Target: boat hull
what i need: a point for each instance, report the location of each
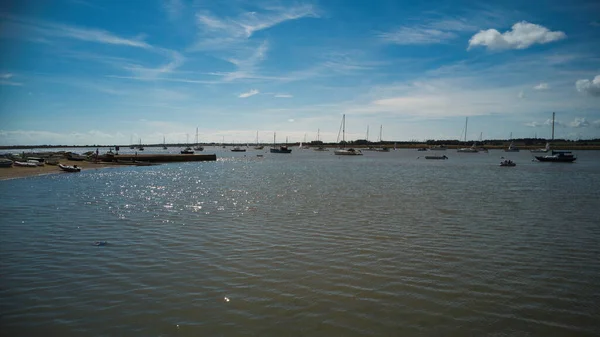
(555, 159)
(280, 150)
(349, 152)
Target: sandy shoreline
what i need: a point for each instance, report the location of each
(23, 172)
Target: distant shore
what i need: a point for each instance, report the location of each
(556, 145)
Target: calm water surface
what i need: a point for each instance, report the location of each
(307, 244)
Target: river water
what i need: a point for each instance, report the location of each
(306, 244)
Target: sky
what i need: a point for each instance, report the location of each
(114, 72)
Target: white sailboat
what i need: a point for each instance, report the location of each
(512, 147)
(471, 149)
(344, 151)
(547, 148)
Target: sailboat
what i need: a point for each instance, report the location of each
(281, 149)
(258, 147)
(471, 149)
(187, 150)
(320, 147)
(547, 148)
(382, 148)
(512, 147)
(198, 147)
(344, 151)
(164, 144)
(140, 148)
(301, 146)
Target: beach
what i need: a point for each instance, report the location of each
(22, 172)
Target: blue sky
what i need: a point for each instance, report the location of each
(106, 72)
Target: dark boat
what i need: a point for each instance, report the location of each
(187, 150)
(281, 149)
(507, 163)
(558, 157)
(443, 157)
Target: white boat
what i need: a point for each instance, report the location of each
(512, 147)
(24, 164)
(344, 151)
(544, 150)
(473, 148)
(68, 168)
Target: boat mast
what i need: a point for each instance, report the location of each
(553, 125)
(380, 132)
(344, 129)
(367, 133)
(466, 124)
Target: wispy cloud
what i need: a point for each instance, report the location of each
(221, 32)
(522, 35)
(36, 29)
(589, 87)
(5, 80)
(283, 96)
(542, 86)
(416, 35)
(58, 30)
(431, 32)
(249, 93)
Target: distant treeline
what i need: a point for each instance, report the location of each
(358, 142)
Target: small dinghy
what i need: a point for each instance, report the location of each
(25, 164)
(100, 243)
(443, 157)
(508, 163)
(68, 168)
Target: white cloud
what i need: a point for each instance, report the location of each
(249, 93)
(283, 96)
(579, 123)
(58, 30)
(220, 33)
(521, 94)
(416, 35)
(5, 80)
(542, 86)
(589, 87)
(522, 35)
(428, 33)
